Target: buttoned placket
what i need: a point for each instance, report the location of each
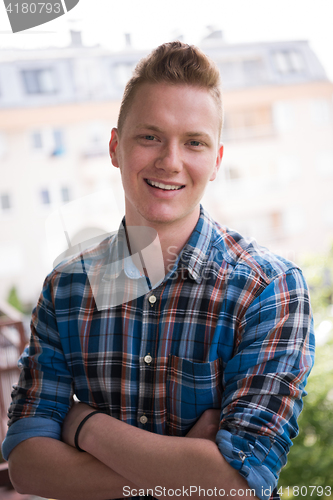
(149, 339)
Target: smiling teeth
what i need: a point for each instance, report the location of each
(168, 187)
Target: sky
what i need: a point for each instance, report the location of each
(151, 22)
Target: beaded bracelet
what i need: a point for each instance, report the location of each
(78, 430)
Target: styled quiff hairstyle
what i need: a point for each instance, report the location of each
(174, 63)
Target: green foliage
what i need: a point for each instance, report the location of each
(318, 271)
(310, 461)
(13, 299)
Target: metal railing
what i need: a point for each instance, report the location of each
(12, 342)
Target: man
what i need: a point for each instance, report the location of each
(198, 380)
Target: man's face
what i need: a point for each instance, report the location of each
(167, 152)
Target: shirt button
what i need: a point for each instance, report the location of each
(152, 299)
(143, 419)
(148, 359)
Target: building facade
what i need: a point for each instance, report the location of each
(58, 188)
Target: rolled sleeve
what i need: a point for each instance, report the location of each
(254, 458)
(265, 380)
(43, 394)
(45, 385)
(29, 427)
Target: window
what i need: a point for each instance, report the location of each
(96, 141)
(58, 140)
(37, 142)
(327, 213)
(39, 81)
(294, 220)
(5, 202)
(320, 110)
(246, 121)
(231, 72)
(45, 197)
(324, 163)
(253, 70)
(2, 145)
(276, 220)
(283, 116)
(231, 172)
(289, 168)
(48, 141)
(11, 259)
(65, 194)
(123, 72)
(289, 61)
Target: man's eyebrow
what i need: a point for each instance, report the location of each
(187, 134)
(148, 127)
(198, 134)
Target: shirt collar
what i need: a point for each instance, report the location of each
(193, 257)
(196, 251)
(119, 258)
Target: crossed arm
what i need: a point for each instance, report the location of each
(267, 375)
(120, 455)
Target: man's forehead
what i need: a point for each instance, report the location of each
(155, 97)
(151, 100)
(146, 89)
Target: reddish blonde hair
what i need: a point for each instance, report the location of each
(174, 63)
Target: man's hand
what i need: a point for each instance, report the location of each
(207, 426)
(73, 419)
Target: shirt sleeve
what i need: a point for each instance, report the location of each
(43, 394)
(264, 382)
(29, 427)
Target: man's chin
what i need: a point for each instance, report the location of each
(162, 218)
(169, 218)
(160, 215)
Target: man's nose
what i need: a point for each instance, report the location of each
(170, 158)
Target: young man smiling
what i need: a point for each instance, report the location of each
(193, 385)
(167, 150)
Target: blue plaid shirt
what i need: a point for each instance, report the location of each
(229, 327)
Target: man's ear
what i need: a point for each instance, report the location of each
(218, 162)
(113, 145)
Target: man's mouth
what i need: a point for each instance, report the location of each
(165, 187)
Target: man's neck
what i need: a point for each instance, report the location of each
(171, 239)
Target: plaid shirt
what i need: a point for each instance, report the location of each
(229, 327)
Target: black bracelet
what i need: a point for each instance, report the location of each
(78, 430)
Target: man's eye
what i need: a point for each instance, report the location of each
(195, 143)
(149, 137)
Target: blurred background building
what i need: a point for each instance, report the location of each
(58, 187)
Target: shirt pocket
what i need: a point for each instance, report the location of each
(192, 388)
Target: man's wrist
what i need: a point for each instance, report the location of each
(86, 438)
(80, 426)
